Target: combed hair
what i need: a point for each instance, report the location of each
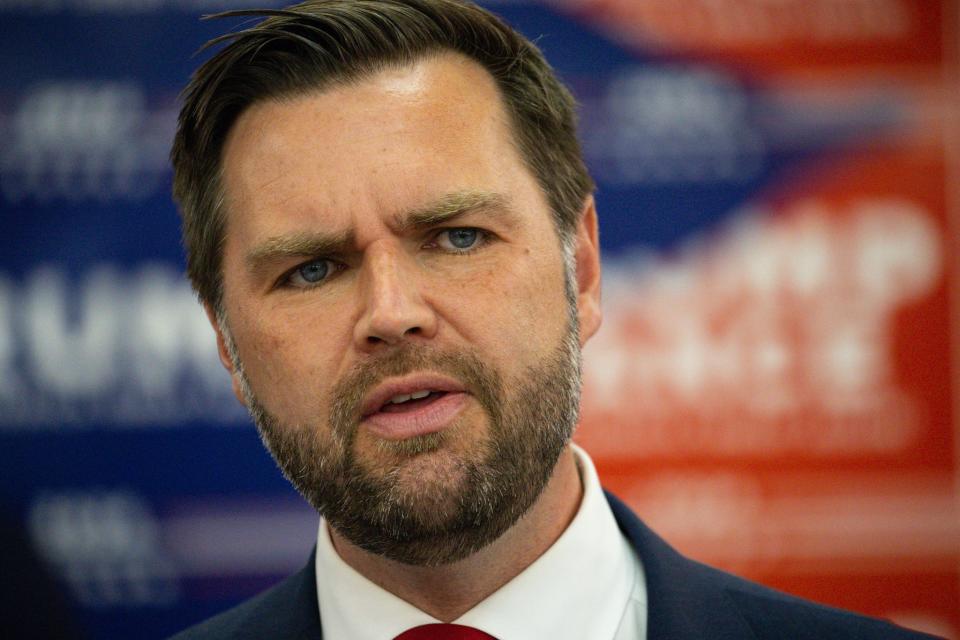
(322, 43)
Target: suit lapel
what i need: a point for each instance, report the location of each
(293, 608)
(684, 601)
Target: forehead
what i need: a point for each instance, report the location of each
(387, 142)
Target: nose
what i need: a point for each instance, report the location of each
(394, 308)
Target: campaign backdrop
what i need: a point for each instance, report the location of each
(774, 388)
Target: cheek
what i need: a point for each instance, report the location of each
(524, 312)
(288, 361)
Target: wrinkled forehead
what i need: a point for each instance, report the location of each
(393, 142)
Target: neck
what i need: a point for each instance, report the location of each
(447, 592)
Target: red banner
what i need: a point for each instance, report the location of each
(779, 397)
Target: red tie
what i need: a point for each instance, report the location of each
(444, 632)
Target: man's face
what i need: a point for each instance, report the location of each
(400, 320)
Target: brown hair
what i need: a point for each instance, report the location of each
(318, 43)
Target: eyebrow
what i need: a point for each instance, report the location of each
(296, 245)
(447, 208)
(453, 206)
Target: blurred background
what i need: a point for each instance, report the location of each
(774, 389)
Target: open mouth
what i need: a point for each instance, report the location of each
(413, 405)
(411, 401)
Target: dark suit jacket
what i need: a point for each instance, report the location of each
(685, 600)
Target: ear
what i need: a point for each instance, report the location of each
(587, 260)
(224, 354)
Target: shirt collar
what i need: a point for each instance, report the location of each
(579, 588)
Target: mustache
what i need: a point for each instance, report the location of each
(346, 397)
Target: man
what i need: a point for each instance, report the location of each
(391, 228)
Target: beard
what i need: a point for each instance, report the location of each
(474, 487)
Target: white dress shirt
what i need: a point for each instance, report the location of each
(589, 584)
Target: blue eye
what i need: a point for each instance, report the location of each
(311, 273)
(459, 239)
(315, 271)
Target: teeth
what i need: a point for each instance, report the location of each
(404, 397)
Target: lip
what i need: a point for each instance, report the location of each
(432, 417)
(404, 385)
